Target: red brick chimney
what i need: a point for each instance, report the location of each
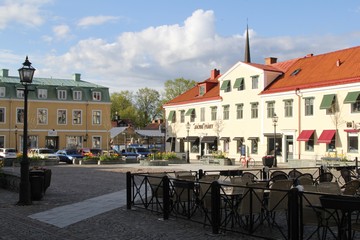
(270, 60)
(214, 74)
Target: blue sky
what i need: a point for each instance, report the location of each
(127, 45)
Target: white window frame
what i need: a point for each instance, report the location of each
(96, 117)
(61, 117)
(42, 116)
(42, 93)
(93, 142)
(2, 115)
(96, 96)
(2, 91)
(20, 93)
(77, 95)
(62, 94)
(77, 117)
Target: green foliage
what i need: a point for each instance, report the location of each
(162, 156)
(176, 87)
(219, 154)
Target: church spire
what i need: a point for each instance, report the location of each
(247, 46)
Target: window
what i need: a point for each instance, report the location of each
(96, 117)
(254, 146)
(172, 116)
(77, 117)
(32, 141)
(240, 147)
(201, 90)
(254, 110)
(77, 95)
(42, 116)
(239, 111)
(309, 106)
(330, 147)
(355, 107)
(2, 141)
(96, 142)
(213, 113)
(270, 109)
(61, 94)
(74, 141)
(96, 96)
(353, 142)
(182, 116)
(309, 145)
(239, 84)
(192, 116)
(20, 93)
(255, 82)
(2, 115)
(226, 112)
(202, 114)
(19, 115)
(288, 108)
(226, 86)
(2, 91)
(42, 93)
(61, 116)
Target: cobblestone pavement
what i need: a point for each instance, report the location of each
(73, 183)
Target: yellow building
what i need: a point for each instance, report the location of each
(62, 113)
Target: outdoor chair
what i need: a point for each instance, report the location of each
(313, 215)
(210, 178)
(293, 174)
(250, 209)
(351, 188)
(155, 181)
(184, 192)
(329, 188)
(240, 181)
(249, 175)
(304, 179)
(347, 175)
(324, 177)
(278, 175)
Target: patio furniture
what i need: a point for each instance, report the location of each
(351, 187)
(304, 179)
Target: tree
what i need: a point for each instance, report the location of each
(147, 103)
(122, 103)
(174, 88)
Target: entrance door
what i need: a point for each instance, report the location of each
(52, 142)
(289, 148)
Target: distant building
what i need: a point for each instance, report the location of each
(62, 113)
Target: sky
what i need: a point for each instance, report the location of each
(128, 45)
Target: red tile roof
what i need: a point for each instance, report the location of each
(334, 68)
(192, 95)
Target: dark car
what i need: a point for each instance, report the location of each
(68, 155)
(144, 152)
(128, 155)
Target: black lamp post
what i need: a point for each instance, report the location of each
(275, 120)
(124, 133)
(26, 74)
(188, 145)
(16, 132)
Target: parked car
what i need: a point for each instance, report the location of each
(43, 153)
(129, 155)
(90, 151)
(68, 155)
(7, 153)
(143, 152)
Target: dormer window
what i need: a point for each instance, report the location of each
(96, 96)
(226, 86)
(239, 84)
(202, 90)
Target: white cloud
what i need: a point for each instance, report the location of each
(150, 57)
(21, 12)
(61, 31)
(95, 20)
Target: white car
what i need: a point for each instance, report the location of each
(7, 153)
(43, 153)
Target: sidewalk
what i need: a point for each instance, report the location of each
(88, 202)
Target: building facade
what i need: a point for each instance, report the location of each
(315, 99)
(62, 113)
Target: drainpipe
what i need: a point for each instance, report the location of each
(297, 92)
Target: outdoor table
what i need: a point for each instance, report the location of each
(346, 205)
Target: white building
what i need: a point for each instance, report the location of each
(316, 100)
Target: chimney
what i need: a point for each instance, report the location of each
(338, 63)
(310, 55)
(77, 77)
(270, 60)
(4, 72)
(214, 74)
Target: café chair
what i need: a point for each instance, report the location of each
(351, 188)
(293, 174)
(305, 179)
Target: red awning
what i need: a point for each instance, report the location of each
(326, 136)
(351, 130)
(305, 135)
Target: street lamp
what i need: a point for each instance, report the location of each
(275, 120)
(16, 132)
(26, 74)
(188, 145)
(124, 133)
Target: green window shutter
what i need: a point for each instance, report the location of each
(351, 97)
(225, 85)
(171, 115)
(327, 101)
(238, 82)
(190, 111)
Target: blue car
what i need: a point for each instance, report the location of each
(143, 152)
(68, 155)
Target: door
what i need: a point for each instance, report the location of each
(289, 148)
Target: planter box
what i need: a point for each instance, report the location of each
(89, 161)
(154, 163)
(118, 161)
(177, 161)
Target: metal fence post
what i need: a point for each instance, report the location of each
(201, 173)
(166, 194)
(128, 190)
(293, 221)
(215, 207)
